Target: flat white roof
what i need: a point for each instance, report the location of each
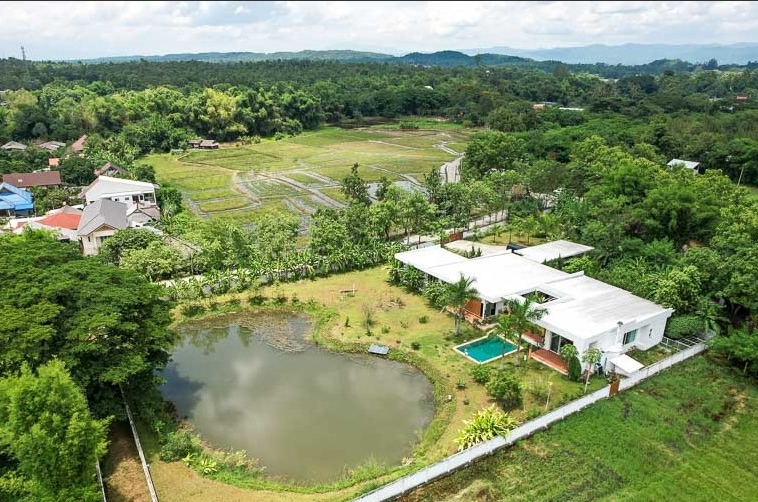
(553, 250)
(499, 276)
(582, 307)
(427, 258)
(587, 307)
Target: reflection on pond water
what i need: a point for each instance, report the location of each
(253, 383)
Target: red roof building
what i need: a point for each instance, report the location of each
(62, 220)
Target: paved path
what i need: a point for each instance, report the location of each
(450, 171)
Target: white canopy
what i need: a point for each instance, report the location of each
(626, 365)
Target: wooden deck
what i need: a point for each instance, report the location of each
(534, 338)
(550, 359)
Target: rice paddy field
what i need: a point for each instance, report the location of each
(297, 175)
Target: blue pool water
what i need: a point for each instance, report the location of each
(486, 349)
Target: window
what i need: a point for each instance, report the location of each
(630, 336)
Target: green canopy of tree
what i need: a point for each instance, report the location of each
(48, 431)
(107, 324)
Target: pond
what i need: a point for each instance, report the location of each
(253, 383)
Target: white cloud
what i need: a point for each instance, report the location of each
(90, 29)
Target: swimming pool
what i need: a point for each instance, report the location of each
(486, 349)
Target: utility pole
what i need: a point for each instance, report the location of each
(23, 53)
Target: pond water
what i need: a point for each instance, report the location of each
(251, 382)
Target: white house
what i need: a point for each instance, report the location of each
(129, 192)
(580, 310)
(687, 164)
(100, 220)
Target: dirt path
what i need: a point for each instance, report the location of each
(324, 199)
(123, 475)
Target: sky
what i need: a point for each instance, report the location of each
(71, 30)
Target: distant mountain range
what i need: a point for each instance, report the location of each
(629, 54)
(233, 57)
(633, 54)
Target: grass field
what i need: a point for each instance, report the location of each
(689, 434)
(220, 180)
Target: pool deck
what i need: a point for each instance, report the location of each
(470, 342)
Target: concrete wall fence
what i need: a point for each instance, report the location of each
(466, 457)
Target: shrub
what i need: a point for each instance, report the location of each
(385, 330)
(403, 324)
(257, 300)
(506, 388)
(192, 309)
(460, 385)
(540, 389)
(423, 319)
(435, 293)
(415, 345)
(177, 445)
(683, 326)
(481, 373)
(533, 413)
(295, 300)
(408, 126)
(485, 425)
(466, 401)
(574, 369)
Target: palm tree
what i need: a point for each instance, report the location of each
(503, 327)
(524, 314)
(458, 293)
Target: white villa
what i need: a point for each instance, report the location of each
(580, 310)
(129, 192)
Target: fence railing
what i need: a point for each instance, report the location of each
(100, 483)
(145, 467)
(466, 457)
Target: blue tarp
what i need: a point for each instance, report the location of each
(15, 199)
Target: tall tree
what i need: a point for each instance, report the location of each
(354, 188)
(109, 325)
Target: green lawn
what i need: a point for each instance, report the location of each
(207, 175)
(690, 433)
